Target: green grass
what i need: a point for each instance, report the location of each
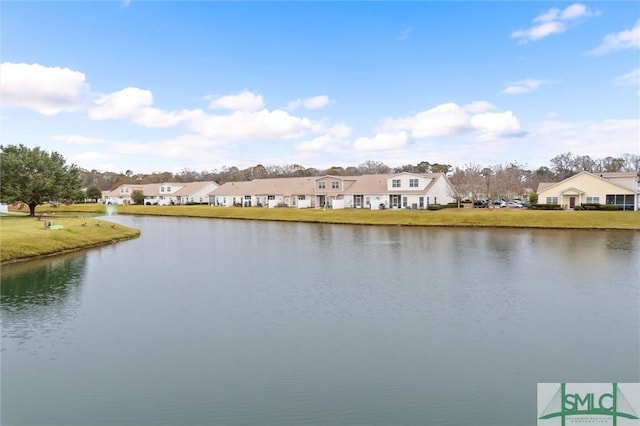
(514, 218)
(23, 237)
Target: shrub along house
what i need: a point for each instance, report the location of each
(620, 189)
(400, 191)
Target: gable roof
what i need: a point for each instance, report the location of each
(148, 189)
(272, 186)
(363, 184)
(545, 186)
(193, 187)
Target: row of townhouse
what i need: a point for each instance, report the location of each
(163, 194)
(619, 188)
(402, 190)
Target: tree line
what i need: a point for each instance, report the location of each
(500, 180)
(35, 176)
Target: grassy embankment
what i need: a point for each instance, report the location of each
(468, 217)
(23, 237)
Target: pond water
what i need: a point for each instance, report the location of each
(223, 322)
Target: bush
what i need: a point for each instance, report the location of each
(602, 207)
(592, 206)
(443, 206)
(546, 207)
(578, 208)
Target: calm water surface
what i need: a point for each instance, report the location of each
(221, 322)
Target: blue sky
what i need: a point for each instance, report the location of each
(162, 86)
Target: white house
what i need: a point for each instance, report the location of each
(163, 194)
(401, 191)
(195, 192)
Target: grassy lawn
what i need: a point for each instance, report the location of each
(447, 217)
(23, 237)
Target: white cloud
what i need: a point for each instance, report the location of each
(332, 142)
(540, 31)
(586, 137)
(553, 21)
(451, 120)
(382, 141)
(492, 125)
(478, 107)
(323, 143)
(153, 117)
(48, 90)
(123, 104)
(521, 87)
(243, 101)
(340, 131)
(443, 120)
(258, 125)
(315, 102)
(631, 78)
(628, 39)
(576, 10)
(134, 104)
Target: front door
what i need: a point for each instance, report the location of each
(572, 202)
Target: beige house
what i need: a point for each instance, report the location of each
(402, 190)
(621, 189)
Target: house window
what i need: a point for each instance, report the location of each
(168, 189)
(421, 202)
(395, 183)
(300, 197)
(552, 200)
(271, 197)
(321, 184)
(162, 189)
(413, 183)
(622, 200)
(593, 200)
(367, 200)
(404, 202)
(335, 184)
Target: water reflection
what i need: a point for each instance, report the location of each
(239, 322)
(38, 297)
